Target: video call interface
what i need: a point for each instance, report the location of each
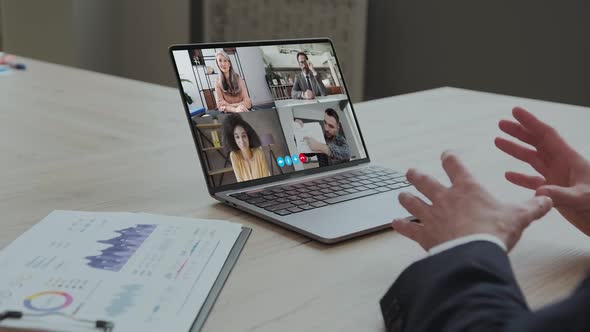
(261, 111)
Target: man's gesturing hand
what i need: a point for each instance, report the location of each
(564, 174)
(463, 209)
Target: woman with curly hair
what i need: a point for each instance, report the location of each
(232, 96)
(245, 151)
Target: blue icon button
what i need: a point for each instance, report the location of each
(288, 160)
(280, 161)
(295, 159)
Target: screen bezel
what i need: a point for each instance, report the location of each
(274, 178)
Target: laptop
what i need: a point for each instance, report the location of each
(277, 137)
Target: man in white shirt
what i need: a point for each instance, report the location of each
(467, 283)
(308, 84)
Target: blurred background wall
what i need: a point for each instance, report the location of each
(127, 38)
(537, 49)
(529, 48)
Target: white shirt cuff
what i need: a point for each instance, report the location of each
(466, 239)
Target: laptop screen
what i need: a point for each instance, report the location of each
(268, 110)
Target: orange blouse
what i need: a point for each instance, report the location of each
(225, 99)
(245, 170)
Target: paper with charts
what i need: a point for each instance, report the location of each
(308, 129)
(143, 272)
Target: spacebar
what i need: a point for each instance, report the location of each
(350, 196)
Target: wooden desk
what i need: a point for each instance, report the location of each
(73, 139)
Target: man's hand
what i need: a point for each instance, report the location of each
(311, 69)
(308, 94)
(565, 174)
(463, 209)
(299, 123)
(316, 146)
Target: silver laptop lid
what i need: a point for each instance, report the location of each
(266, 111)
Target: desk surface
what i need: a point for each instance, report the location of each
(78, 140)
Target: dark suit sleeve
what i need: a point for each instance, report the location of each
(472, 288)
(296, 90)
(321, 85)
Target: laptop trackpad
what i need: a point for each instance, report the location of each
(352, 217)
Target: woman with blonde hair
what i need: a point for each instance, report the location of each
(232, 96)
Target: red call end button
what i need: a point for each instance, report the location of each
(302, 158)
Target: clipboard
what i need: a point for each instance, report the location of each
(231, 260)
(88, 324)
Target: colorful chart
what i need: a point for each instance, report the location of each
(121, 248)
(48, 300)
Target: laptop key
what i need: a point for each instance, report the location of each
(299, 202)
(256, 200)
(267, 204)
(382, 189)
(399, 186)
(279, 207)
(306, 207)
(294, 210)
(241, 197)
(282, 212)
(319, 204)
(351, 196)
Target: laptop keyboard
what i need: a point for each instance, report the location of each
(294, 198)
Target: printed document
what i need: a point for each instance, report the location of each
(143, 272)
